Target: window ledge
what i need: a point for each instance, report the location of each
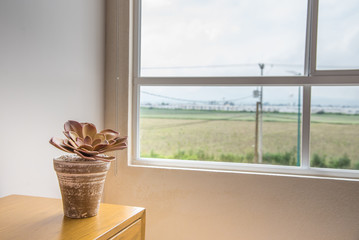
(243, 168)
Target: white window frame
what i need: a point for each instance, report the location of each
(312, 77)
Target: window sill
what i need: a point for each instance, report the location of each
(243, 168)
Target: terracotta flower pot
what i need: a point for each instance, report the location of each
(81, 183)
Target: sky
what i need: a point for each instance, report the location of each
(231, 37)
(338, 34)
(177, 33)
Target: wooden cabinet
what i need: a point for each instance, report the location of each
(24, 217)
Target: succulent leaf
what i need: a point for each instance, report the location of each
(57, 142)
(84, 156)
(95, 142)
(87, 152)
(84, 140)
(88, 140)
(73, 126)
(86, 147)
(110, 134)
(94, 158)
(113, 149)
(80, 141)
(88, 129)
(118, 144)
(73, 135)
(66, 142)
(100, 146)
(100, 136)
(73, 143)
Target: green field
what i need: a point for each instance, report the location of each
(230, 136)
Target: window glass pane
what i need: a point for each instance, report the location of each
(222, 124)
(338, 35)
(223, 37)
(334, 127)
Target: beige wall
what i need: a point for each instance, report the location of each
(51, 70)
(195, 205)
(186, 205)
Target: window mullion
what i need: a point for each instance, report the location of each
(306, 126)
(310, 66)
(311, 38)
(136, 41)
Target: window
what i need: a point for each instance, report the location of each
(250, 85)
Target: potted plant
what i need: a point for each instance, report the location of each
(82, 173)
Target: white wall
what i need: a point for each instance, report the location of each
(51, 70)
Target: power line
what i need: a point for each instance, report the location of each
(173, 98)
(194, 101)
(201, 66)
(238, 99)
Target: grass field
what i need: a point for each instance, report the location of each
(230, 136)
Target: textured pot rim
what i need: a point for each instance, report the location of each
(73, 164)
(75, 159)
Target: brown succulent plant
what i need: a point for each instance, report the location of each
(84, 140)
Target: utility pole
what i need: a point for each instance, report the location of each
(299, 119)
(258, 129)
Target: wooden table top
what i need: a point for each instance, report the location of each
(25, 217)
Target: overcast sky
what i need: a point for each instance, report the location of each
(230, 38)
